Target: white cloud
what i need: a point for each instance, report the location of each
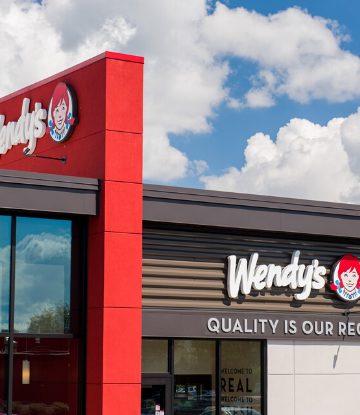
(298, 55)
(114, 32)
(186, 48)
(235, 103)
(260, 97)
(198, 167)
(350, 130)
(162, 162)
(306, 161)
(44, 247)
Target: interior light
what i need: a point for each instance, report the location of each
(25, 372)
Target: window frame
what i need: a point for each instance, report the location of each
(80, 249)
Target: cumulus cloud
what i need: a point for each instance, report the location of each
(261, 97)
(306, 161)
(187, 49)
(298, 55)
(160, 156)
(235, 103)
(199, 166)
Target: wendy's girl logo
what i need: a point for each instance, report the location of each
(62, 113)
(345, 279)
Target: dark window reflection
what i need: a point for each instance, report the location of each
(195, 376)
(42, 275)
(45, 376)
(5, 251)
(152, 399)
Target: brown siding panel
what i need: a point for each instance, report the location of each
(187, 268)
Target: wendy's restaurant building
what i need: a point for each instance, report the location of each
(124, 298)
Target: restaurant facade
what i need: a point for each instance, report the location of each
(124, 298)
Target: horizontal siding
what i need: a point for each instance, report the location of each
(187, 269)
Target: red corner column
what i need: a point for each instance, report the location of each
(115, 252)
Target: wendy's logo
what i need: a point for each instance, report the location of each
(62, 113)
(345, 278)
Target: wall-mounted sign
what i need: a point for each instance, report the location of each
(345, 279)
(297, 326)
(62, 120)
(250, 325)
(62, 113)
(28, 128)
(246, 276)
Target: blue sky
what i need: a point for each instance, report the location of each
(247, 96)
(234, 127)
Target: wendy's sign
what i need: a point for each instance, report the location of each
(62, 113)
(345, 279)
(62, 119)
(28, 128)
(248, 275)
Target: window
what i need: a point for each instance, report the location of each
(154, 356)
(42, 275)
(241, 377)
(41, 315)
(194, 375)
(207, 377)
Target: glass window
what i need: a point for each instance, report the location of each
(45, 376)
(196, 370)
(241, 377)
(152, 399)
(5, 252)
(48, 254)
(154, 356)
(42, 275)
(195, 376)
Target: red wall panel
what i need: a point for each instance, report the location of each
(95, 358)
(123, 155)
(94, 399)
(124, 98)
(120, 208)
(96, 271)
(125, 286)
(122, 399)
(121, 364)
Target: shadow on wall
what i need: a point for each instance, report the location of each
(336, 357)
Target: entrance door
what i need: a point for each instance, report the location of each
(156, 396)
